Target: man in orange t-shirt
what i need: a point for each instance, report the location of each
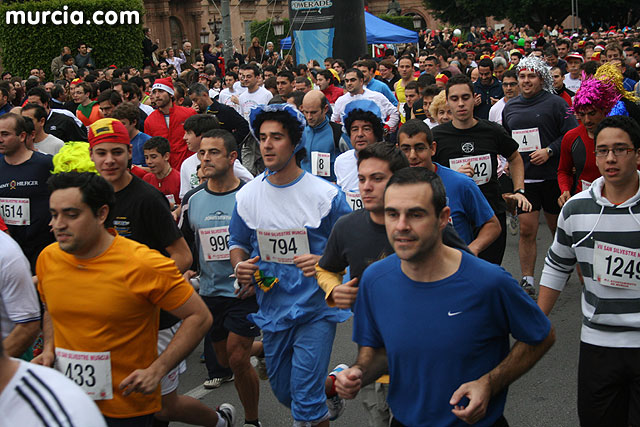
(103, 294)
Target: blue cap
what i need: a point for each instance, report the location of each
(288, 108)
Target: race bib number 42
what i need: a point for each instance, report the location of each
(616, 266)
(320, 163)
(282, 245)
(215, 243)
(91, 371)
(481, 167)
(527, 139)
(15, 211)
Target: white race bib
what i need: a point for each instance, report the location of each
(354, 200)
(320, 163)
(616, 266)
(282, 245)
(215, 243)
(15, 211)
(527, 139)
(481, 167)
(91, 371)
(585, 184)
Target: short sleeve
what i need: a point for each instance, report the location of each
(476, 206)
(333, 258)
(365, 330)
(239, 233)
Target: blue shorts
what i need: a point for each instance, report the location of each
(297, 363)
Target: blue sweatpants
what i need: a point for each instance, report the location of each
(297, 363)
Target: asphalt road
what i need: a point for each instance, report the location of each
(545, 396)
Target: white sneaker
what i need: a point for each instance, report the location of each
(261, 368)
(216, 382)
(336, 404)
(227, 412)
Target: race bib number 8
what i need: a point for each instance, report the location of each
(320, 163)
(215, 243)
(616, 266)
(481, 167)
(354, 200)
(90, 371)
(282, 245)
(527, 139)
(15, 211)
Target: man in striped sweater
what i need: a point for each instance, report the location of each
(599, 229)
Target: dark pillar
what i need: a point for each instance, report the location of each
(350, 39)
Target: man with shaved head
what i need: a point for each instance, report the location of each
(322, 139)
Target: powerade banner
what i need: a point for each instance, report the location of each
(312, 29)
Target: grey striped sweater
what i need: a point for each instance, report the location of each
(611, 315)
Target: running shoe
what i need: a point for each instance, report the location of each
(227, 412)
(336, 404)
(529, 289)
(261, 368)
(216, 382)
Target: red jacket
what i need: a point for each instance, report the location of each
(333, 93)
(155, 125)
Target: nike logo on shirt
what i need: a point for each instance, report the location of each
(454, 314)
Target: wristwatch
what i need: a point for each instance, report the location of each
(549, 152)
(519, 191)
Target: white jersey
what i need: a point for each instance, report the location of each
(225, 99)
(50, 145)
(572, 84)
(189, 174)
(18, 299)
(346, 169)
(495, 113)
(390, 114)
(248, 100)
(40, 396)
(147, 109)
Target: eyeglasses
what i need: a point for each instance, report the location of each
(617, 151)
(514, 84)
(419, 149)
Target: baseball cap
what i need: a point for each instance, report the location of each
(108, 130)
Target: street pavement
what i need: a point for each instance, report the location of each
(545, 396)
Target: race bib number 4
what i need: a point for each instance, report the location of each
(282, 245)
(481, 167)
(354, 200)
(91, 371)
(215, 243)
(320, 163)
(527, 139)
(15, 211)
(616, 266)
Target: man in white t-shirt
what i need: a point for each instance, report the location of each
(43, 142)
(19, 305)
(354, 83)
(194, 128)
(255, 94)
(511, 90)
(227, 94)
(572, 79)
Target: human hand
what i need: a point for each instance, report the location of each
(349, 383)
(539, 157)
(143, 381)
(344, 295)
(479, 393)
(307, 263)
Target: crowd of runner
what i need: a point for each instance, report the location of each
(256, 204)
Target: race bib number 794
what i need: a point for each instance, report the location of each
(282, 245)
(89, 370)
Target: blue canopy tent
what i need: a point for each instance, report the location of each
(378, 31)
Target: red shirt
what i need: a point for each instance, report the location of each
(333, 93)
(3, 226)
(169, 185)
(576, 151)
(155, 125)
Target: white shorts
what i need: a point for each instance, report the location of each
(170, 381)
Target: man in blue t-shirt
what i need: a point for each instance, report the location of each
(207, 212)
(442, 330)
(469, 209)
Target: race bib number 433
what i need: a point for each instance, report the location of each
(481, 167)
(282, 245)
(527, 139)
(15, 211)
(90, 370)
(616, 266)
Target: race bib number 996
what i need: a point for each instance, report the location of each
(91, 371)
(215, 243)
(282, 245)
(616, 266)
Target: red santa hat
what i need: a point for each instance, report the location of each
(164, 84)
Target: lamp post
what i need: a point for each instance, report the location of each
(278, 26)
(213, 26)
(204, 36)
(417, 22)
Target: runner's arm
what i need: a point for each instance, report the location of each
(47, 357)
(487, 234)
(20, 338)
(179, 252)
(328, 280)
(372, 362)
